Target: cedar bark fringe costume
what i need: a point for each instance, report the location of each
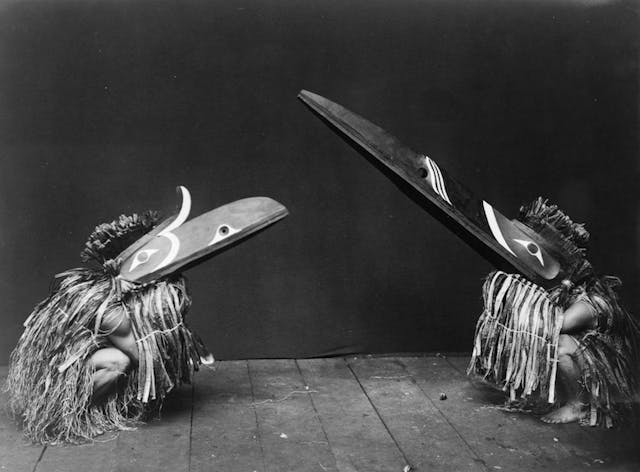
(50, 381)
(517, 335)
(516, 341)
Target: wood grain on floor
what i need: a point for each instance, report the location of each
(349, 414)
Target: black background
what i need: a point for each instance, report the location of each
(106, 106)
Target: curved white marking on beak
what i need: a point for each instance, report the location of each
(180, 219)
(431, 175)
(443, 188)
(495, 229)
(436, 180)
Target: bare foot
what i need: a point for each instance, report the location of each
(207, 360)
(572, 411)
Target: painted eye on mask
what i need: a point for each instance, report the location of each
(532, 248)
(223, 232)
(142, 257)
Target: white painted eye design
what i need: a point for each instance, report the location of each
(142, 257)
(223, 232)
(532, 248)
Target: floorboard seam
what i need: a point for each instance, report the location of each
(454, 367)
(193, 388)
(473, 451)
(468, 380)
(375, 408)
(315, 410)
(255, 413)
(44, 448)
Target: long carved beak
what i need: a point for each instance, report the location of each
(472, 218)
(177, 243)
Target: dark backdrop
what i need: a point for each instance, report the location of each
(106, 106)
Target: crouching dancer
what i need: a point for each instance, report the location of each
(110, 342)
(555, 319)
(575, 335)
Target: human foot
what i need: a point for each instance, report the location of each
(572, 411)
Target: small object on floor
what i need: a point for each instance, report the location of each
(407, 468)
(283, 436)
(443, 396)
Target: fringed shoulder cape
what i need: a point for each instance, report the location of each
(516, 344)
(50, 378)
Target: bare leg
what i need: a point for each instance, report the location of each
(109, 364)
(117, 327)
(577, 318)
(569, 371)
(112, 363)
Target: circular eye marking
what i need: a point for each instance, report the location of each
(532, 248)
(142, 257)
(223, 232)
(423, 173)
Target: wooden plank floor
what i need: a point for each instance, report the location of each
(339, 414)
